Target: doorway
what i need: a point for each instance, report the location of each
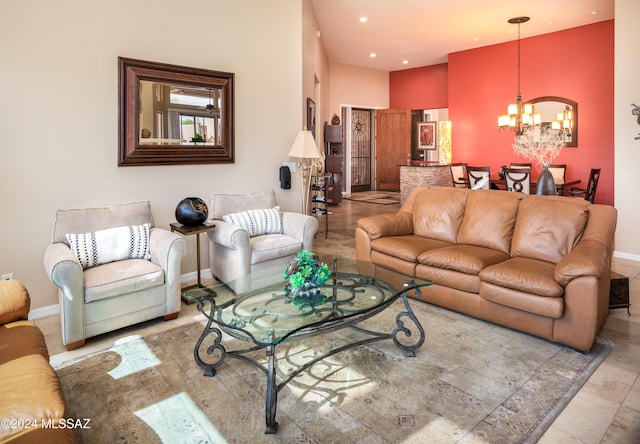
(393, 144)
(362, 131)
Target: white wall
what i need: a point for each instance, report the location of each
(626, 127)
(59, 118)
(315, 70)
(357, 87)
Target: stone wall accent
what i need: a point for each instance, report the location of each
(423, 176)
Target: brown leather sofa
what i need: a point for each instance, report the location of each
(31, 399)
(537, 264)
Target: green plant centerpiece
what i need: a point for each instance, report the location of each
(305, 274)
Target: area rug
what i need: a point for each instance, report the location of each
(382, 198)
(471, 382)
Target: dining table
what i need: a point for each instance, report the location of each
(499, 183)
(561, 187)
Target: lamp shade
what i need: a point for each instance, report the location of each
(304, 147)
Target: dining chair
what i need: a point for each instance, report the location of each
(520, 165)
(559, 174)
(479, 174)
(558, 171)
(518, 179)
(458, 173)
(588, 193)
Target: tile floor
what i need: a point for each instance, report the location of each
(605, 410)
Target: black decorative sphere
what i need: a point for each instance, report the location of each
(191, 211)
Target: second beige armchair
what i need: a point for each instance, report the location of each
(269, 237)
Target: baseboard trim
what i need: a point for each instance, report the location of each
(43, 312)
(622, 255)
(193, 276)
(50, 310)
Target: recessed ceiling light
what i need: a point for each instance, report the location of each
(405, 62)
(372, 55)
(594, 12)
(363, 19)
(475, 39)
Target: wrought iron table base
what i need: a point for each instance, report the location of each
(271, 397)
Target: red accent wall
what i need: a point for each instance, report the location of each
(419, 88)
(575, 63)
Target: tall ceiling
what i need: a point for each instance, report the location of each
(423, 32)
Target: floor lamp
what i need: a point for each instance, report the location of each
(305, 149)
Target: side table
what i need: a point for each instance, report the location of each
(619, 294)
(187, 230)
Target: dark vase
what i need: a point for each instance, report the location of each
(191, 211)
(546, 185)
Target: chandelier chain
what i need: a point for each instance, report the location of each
(519, 60)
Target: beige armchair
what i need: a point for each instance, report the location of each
(234, 253)
(112, 269)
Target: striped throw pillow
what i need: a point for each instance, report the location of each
(112, 244)
(257, 222)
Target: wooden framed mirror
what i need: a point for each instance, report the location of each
(549, 107)
(170, 114)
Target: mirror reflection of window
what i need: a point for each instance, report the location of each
(182, 96)
(198, 129)
(159, 133)
(192, 114)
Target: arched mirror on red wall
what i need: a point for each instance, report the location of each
(559, 113)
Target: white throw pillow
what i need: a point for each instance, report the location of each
(113, 244)
(257, 222)
(481, 183)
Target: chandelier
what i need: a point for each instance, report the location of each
(564, 122)
(519, 115)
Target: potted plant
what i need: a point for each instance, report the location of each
(541, 145)
(305, 273)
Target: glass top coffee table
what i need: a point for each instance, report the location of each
(265, 317)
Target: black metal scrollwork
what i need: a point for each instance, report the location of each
(409, 350)
(345, 292)
(209, 367)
